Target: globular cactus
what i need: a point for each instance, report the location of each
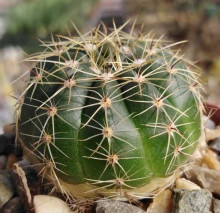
(110, 115)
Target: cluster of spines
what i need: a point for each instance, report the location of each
(107, 70)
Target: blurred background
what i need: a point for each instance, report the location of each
(24, 22)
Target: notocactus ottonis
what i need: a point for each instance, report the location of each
(109, 114)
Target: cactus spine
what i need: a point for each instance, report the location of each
(110, 115)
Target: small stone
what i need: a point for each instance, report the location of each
(11, 160)
(14, 205)
(215, 145)
(50, 204)
(208, 123)
(116, 207)
(3, 160)
(9, 129)
(6, 188)
(212, 134)
(206, 178)
(182, 183)
(210, 159)
(6, 143)
(162, 203)
(195, 201)
(216, 206)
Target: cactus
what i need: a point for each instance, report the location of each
(110, 114)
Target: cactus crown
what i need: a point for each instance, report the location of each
(110, 114)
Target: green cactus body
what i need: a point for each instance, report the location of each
(108, 114)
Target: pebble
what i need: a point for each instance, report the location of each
(111, 206)
(34, 180)
(11, 160)
(216, 206)
(215, 145)
(210, 159)
(212, 134)
(161, 203)
(9, 129)
(208, 123)
(50, 204)
(206, 178)
(195, 201)
(3, 160)
(6, 143)
(15, 205)
(182, 183)
(6, 188)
